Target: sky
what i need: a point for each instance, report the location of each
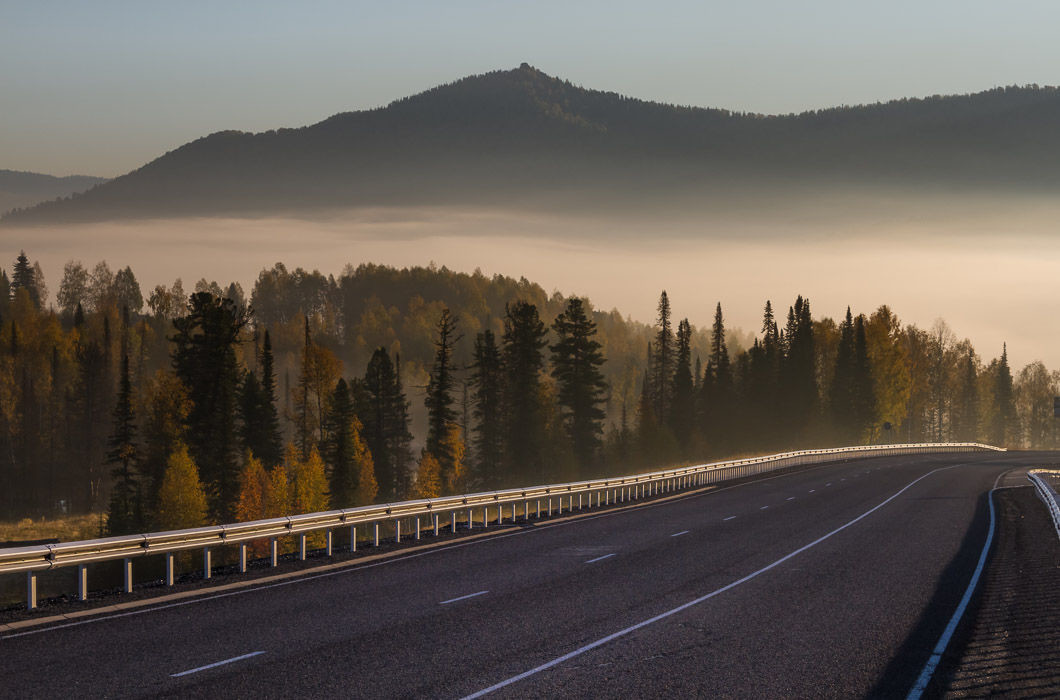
(102, 87)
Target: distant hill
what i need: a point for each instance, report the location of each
(521, 137)
(22, 189)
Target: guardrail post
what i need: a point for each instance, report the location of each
(470, 518)
(82, 582)
(301, 546)
(375, 534)
(560, 512)
(436, 524)
(127, 569)
(206, 567)
(539, 508)
(169, 568)
(397, 530)
(242, 557)
(550, 506)
(452, 521)
(485, 516)
(353, 539)
(526, 510)
(274, 552)
(31, 590)
(417, 527)
(327, 542)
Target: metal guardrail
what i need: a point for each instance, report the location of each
(578, 495)
(1041, 480)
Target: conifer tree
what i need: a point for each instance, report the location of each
(841, 391)
(270, 446)
(524, 419)
(181, 500)
(576, 362)
(966, 414)
(864, 391)
(23, 278)
(205, 361)
(5, 292)
(683, 411)
(385, 419)
(439, 399)
(486, 383)
(662, 362)
(1004, 413)
(125, 514)
(347, 457)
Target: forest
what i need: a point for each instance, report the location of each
(169, 408)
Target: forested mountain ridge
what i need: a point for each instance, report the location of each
(24, 189)
(521, 136)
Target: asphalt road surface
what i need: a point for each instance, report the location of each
(832, 581)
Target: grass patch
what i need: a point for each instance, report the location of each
(68, 528)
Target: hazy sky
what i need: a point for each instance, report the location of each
(101, 87)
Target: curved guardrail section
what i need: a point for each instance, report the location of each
(577, 495)
(1041, 478)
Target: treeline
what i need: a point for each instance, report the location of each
(386, 384)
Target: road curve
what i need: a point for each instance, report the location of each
(831, 581)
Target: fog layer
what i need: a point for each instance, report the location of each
(986, 265)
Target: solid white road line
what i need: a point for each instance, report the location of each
(680, 608)
(215, 665)
(678, 534)
(606, 556)
(463, 597)
(947, 634)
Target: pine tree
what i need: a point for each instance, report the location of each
(683, 411)
(181, 500)
(718, 397)
(576, 362)
(125, 514)
(439, 400)
(486, 382)
(524, 419)
(347, 457)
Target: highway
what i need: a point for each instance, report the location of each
(830, 581)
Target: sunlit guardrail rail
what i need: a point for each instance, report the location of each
(497, 506)
(1044, 481)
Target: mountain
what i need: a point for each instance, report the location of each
(22, 189)
(523, 138)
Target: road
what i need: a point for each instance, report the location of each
(832, 581)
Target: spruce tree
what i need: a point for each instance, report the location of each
(23, 278)
(662, 362)
(966, 410)
(841, 391)
(271, 445)
(384, 414)
(864, 391)
(125, 514)
(524, 417)
(576, 362)
(439, 399)
(486, 382)
(1004, 413)
(204, 359)
(342, 449)
(683, 411)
